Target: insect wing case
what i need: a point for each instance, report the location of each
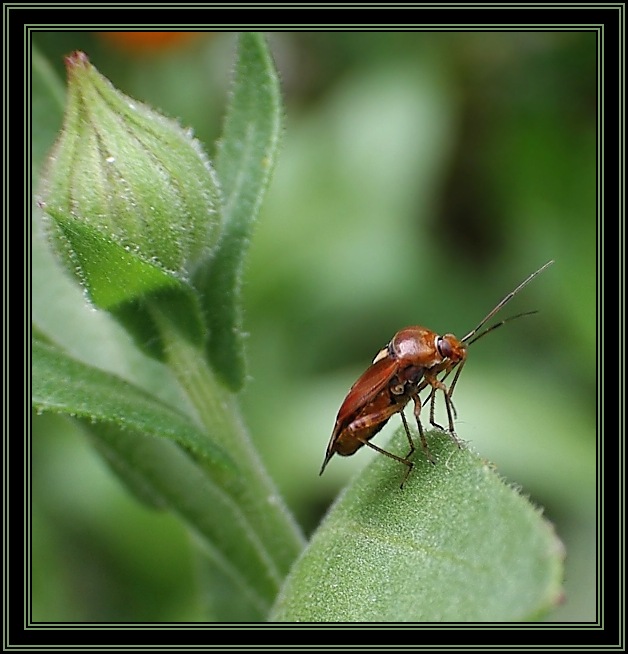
(367, 396)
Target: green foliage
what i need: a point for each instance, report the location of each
(130, 200)
(66, 386)
(138, 179)
(457, 543)
(202, 466)
(245, 160)
(95, 257)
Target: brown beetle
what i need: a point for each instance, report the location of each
(412, 361)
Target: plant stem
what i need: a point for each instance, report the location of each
(252, 488)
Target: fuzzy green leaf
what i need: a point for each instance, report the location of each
(139, 437)
(175, 482)
(66, 386)
(245, 160)
(456, 544)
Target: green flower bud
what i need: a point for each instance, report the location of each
(131, 198)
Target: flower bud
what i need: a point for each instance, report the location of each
(131, 198)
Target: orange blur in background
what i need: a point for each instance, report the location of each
(149, 42)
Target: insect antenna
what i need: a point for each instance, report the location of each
(500, 305)
(488, 330)
(500, 323)
(458, 366)
(472, 334)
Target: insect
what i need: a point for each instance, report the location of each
(412, 361)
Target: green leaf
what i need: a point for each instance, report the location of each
(252, 489)
(140, 438)
(171, 478)
(66, 386)
(244, 163)
(456, 544)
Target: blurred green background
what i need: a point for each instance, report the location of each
(422, 176)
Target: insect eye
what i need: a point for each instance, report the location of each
(444, 347)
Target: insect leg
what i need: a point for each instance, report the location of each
(417, 413)
(405, 425)
(432, 400)
(375, 418)
(438, 385)
(405, 461)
